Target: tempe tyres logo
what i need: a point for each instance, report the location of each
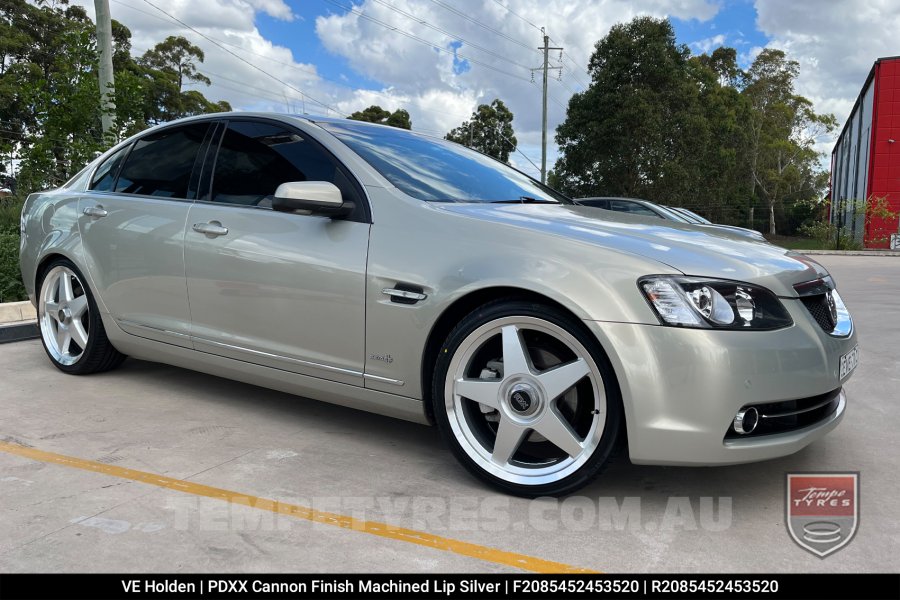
(822, 510)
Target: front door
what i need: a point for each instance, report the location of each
(278, 289)
(132, 232)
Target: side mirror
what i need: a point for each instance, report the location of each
(311, 198)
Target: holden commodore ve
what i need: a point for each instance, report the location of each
(388, 271)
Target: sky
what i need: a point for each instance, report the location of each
(439, 59)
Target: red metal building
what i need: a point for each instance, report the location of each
(865, 162)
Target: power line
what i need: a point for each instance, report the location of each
(483, 26)
(578, 67)
(515, 14)
(563, 53)
(447, 33)
(263, 94)
(560, 42)
(268, 95)
(575, 63)
(572, 71)
(567, 86)
(242, 59)
(279, 62)
(220, 44)
(557, 102)
(416, 38)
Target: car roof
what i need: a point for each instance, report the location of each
(317, 119)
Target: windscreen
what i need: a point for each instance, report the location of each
(436, 170)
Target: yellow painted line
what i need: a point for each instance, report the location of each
(392, 532)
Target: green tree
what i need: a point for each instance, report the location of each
(177, 56)
(375, 114)
(718, 164)
(636, 128)
(783, 164)
(49, 93)
(489, 131)
(696, 131)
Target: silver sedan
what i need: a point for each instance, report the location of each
(392, 272)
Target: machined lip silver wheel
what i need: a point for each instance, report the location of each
(525, 400)
(63, 315)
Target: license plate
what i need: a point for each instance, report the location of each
(849, 362)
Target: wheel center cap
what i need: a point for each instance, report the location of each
(520, 401)
(64, 315)
(523, 399)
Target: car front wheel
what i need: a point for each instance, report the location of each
(526, 398)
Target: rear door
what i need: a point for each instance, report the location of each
(278, 289)
(132, 231)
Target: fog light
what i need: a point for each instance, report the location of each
(746, 420)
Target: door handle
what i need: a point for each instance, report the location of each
(211, 229)
(96, 211)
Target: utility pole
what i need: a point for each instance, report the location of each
(104, 44)
(546, 67)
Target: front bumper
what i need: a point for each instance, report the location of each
(682, 387)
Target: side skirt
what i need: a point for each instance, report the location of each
(383, 403)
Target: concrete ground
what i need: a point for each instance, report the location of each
(258, 443)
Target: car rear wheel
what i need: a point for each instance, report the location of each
(526, 399)
(71, 329)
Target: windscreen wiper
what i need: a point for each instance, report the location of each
(525, 200)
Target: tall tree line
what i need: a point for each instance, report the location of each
(659, 123)
(49, 91)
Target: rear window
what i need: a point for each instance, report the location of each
(161, 163)
(104, 179)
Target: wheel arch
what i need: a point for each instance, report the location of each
(44, 262)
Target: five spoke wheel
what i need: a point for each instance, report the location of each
(64, 316)
(525, 400)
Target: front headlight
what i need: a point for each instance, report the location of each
(713, 303)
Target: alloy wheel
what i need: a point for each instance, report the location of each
(525, 400)
(64, 316)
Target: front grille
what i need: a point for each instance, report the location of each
(790, 415)
(818, 307)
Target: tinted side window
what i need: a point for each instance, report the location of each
(632, 207)
(595, 202)
(160, 164)
(105, 176)
(255, 158)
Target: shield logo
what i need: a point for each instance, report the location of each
(822, 510)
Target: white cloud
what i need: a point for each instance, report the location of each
(745, 59)
(707, 44)
(231, 22)
(835, 44)
(411, 75)
(423, 73)
(274, 8)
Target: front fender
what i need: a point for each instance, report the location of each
(407, 247)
